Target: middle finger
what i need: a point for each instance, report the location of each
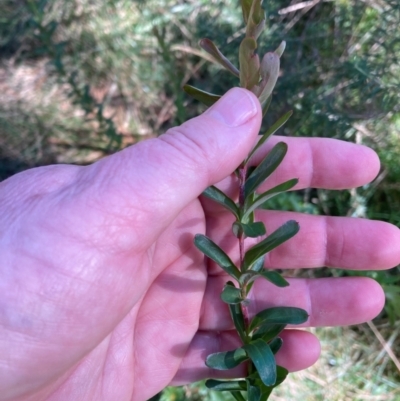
(341, 242)
(328, 301)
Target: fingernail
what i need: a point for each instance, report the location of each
(235, 108)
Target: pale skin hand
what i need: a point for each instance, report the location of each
(102, 293)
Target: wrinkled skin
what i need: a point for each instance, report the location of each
(103, 295)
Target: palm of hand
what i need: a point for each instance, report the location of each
(119, 343)
(143, 353)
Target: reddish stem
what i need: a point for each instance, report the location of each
(242, 180)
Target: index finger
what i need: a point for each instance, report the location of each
(316, 162)
(322, 163)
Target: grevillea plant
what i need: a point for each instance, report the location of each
(259, 334)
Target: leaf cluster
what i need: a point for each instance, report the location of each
(259, 335)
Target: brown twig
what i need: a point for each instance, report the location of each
(384, 344)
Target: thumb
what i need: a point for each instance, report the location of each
(161, 176)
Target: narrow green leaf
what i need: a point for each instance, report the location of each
(265, 106)
(238, 320)
(237, 396)
(249, 63)
(268, 331)
(271, 131)
(272, 276)
(279, 315)
(254, 230)
(281, 374)
(212, 49)
(267, 390)
(246, 7)
(257, 267)
(218, 196)
(256, 12)
(276, 345)
(259, 201)
(265, 168)
(215, 253)
(202, 96)
(256, 20)
(226, 360)
(253, 392)
(226, 385)
(263, 359)
(231, 294)
(282, 234)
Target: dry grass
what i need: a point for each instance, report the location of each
(353, 366)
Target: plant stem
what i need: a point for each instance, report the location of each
(242, 180)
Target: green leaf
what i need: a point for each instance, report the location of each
(257, 13)
(246, 7)
(250, 217)
(253, 392)
(231, 294)
(279, 315)
(274, 278)
(268, 332)
(249, 63)
(263, 359)
(257, 267)
(226, 360)
(215, 253)
(271, 130)
(265, 168)
(270, 275)
(212, 49)
(254, 230)
(259, 200)
(281, 374)
(249, 229)
(218, 196)
(282, 234)
(256, 20)
(276, 345)
(226, 385)
(237, 396)
(202, 96)
(267, 390)
(238, 320)
(265, 106)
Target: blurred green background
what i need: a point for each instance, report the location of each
(80, 79)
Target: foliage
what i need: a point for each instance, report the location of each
(259, 335)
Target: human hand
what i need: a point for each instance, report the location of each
(103, 295)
